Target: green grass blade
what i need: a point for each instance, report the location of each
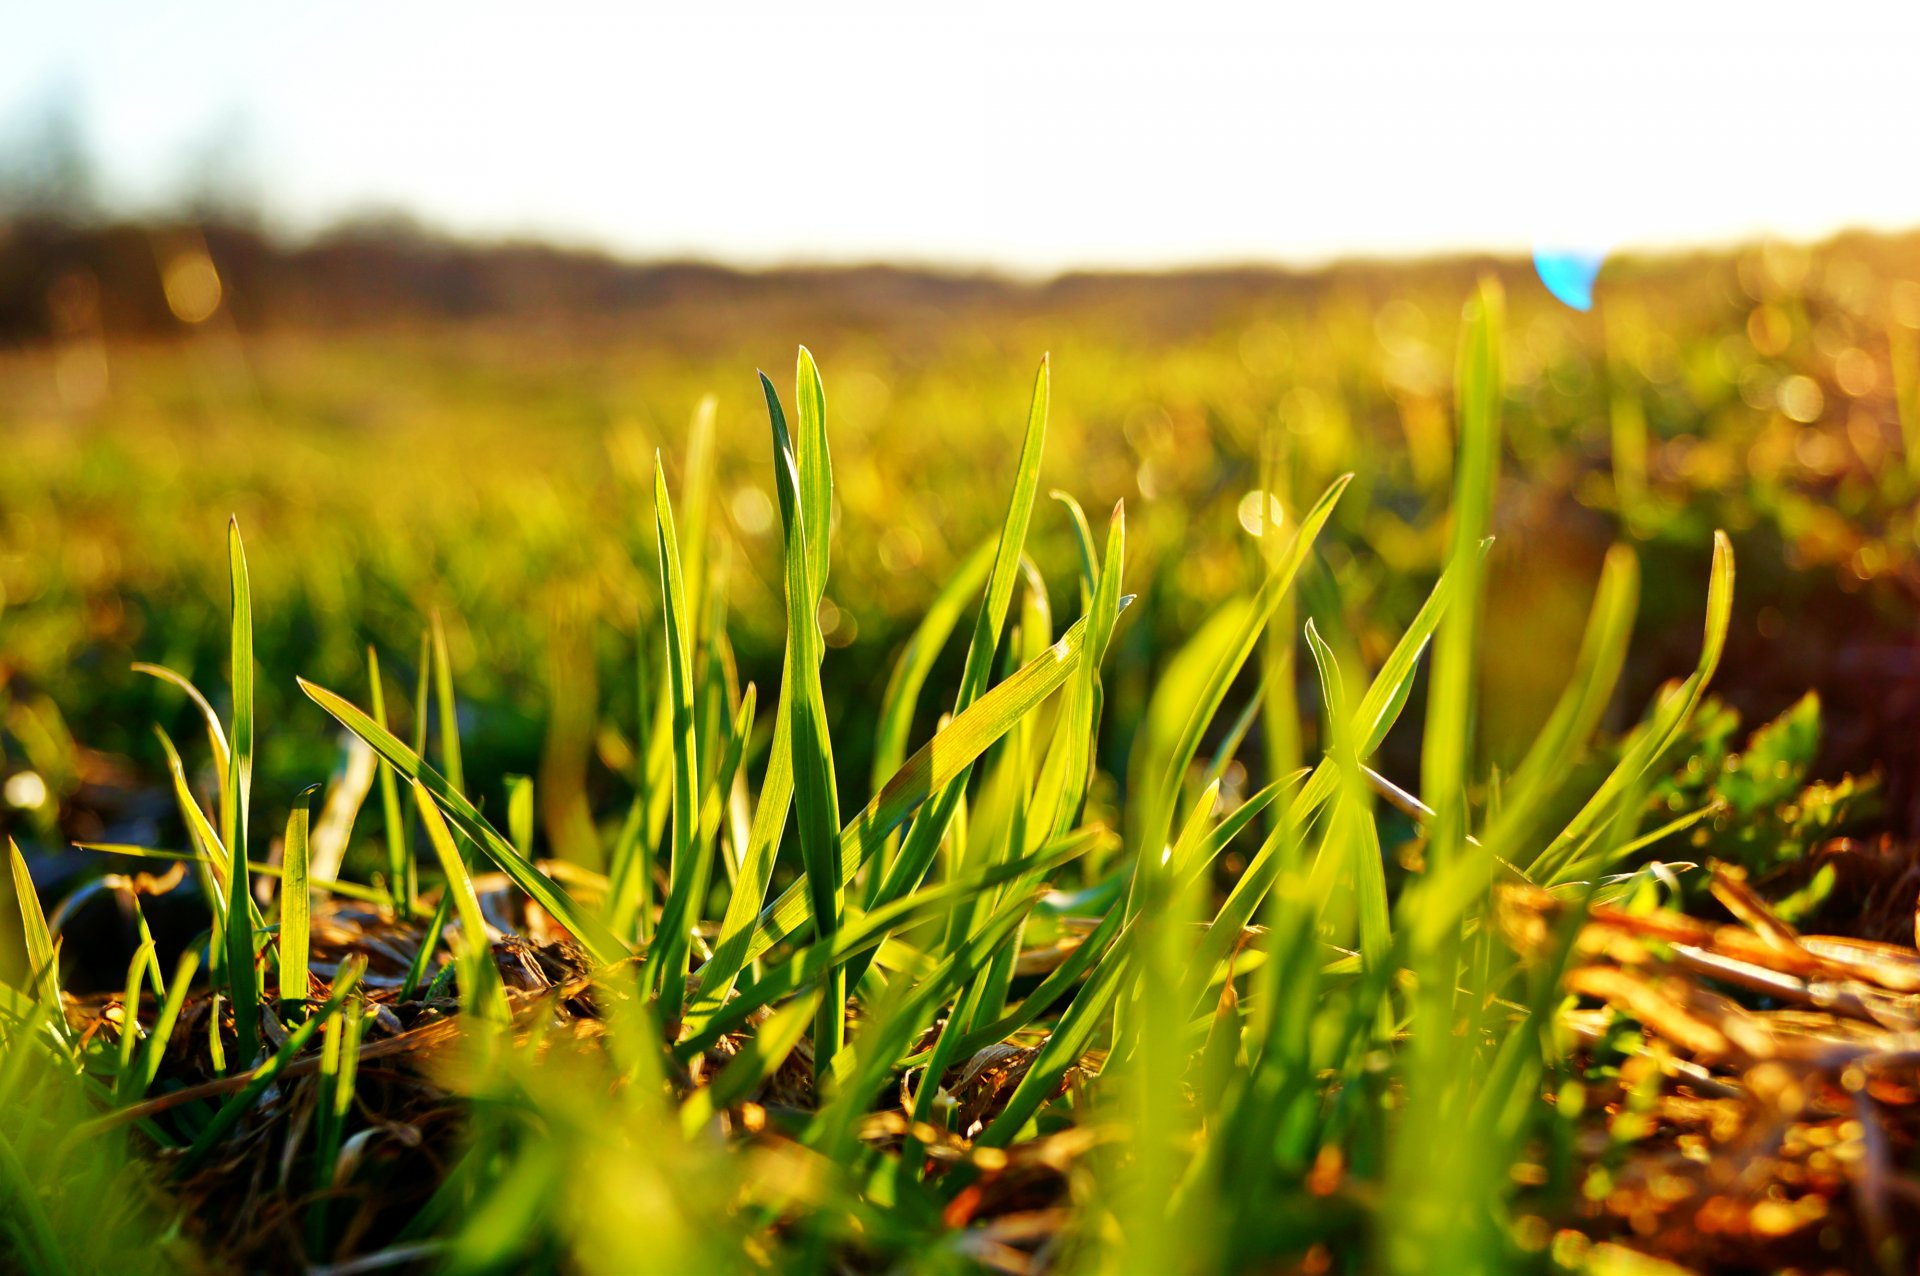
(296, 904)
(448, 709)
(592, 934)
(216, 735)
(668, 961)
(42, 976)
(480, 991)
(816, 799)
(759, 1058)
(154, 1049)
(401, 877)
(236, 1106)
(242, 978)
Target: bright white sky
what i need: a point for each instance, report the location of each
(1025, 136)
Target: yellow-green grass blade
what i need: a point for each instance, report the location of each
(216, 735)
(1447, 750)
(480, 991)
(401, 878)
(931, 769)
(1541, 774)
(1083, 541)
(592, 934)
(758, 1059)
(1163, 797)
(816, 800)
(902, 695)
(813, 468)
(448, 709)
(296, 904)
(42, 975)
(236, 1106)
(243, 980)
(130, 1019)
(1352, 828)
(155, 1046)
(668, 960)
(930, 825)
(1672, 711)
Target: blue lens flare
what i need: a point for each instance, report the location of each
(1568, 273)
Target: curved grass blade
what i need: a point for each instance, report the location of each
(216, 735)
(591, 933)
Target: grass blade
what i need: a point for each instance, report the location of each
(296, 905)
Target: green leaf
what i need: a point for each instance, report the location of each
(216, 736)
(668, 962)
(242, 978)
(759, 1057)
(42, 976)
(816, 799)
(401, 876)
(296, 907)
(591, 933)
(480, 991)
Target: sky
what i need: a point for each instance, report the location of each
(1028, 137)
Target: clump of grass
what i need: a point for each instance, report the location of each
(978, 1027)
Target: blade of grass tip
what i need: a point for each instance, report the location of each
(668, 963)
(130, 1019)
(155, 1047)
(243, 978)
(816, 799)
(296, 904)
(401, 883)
(758, 1059)
(42, 976)
(1163, 798)
(586, 928)
(929, 827)
(481, 993)
(1083, 541)
(1353, 815)
(236, 1106)
(216, 735)
(1673, 710)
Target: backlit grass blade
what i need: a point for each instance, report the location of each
(238, 1104)
(216, 736)
(42, 976)
(1352, 827)
(929, 770)
(930, 824)
(591, 933)
(123, 1070)
(480, 991)
(1673, 709)
(816, 800)
(401, 878)
(909, 676)
(242, 978)
(296, 905)
(759, 1058)
(668, 961)
(1162, 798)
(813, 469)
(155, 1046)
(448, 709)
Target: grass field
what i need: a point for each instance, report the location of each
(1243, 773)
